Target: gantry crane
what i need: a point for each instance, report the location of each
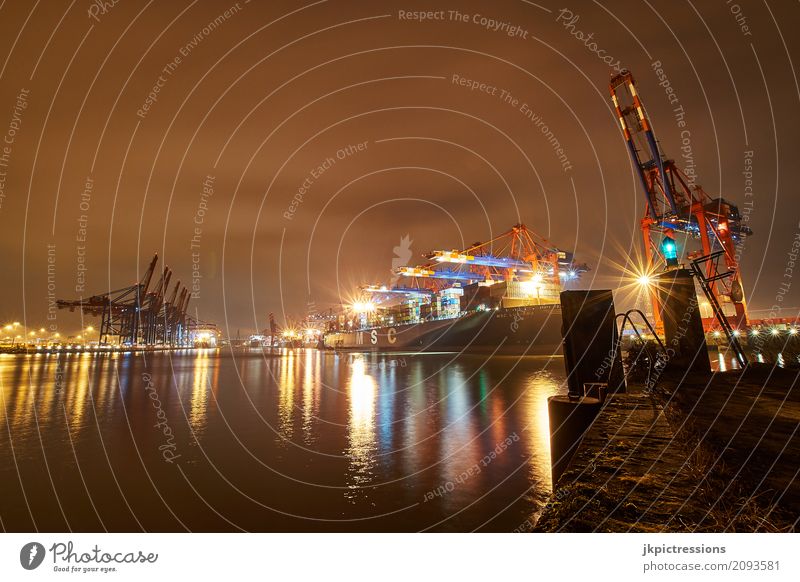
(138, 315)
(526, 253)
(676, 204)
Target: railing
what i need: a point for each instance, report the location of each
(651, 358)
(705, 285)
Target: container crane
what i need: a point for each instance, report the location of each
(676, 204)
(526, 253)
(138, 314)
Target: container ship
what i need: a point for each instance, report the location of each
(498, 296)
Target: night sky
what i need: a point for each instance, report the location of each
(282, 150)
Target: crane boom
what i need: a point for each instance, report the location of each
(676, 203)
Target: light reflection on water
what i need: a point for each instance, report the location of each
(295, 440)
(725, 360)
(362, 437)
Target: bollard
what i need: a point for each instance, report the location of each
(589, 330)
(683, 327)
(570, 418)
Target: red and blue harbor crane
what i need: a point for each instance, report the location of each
(675, 204)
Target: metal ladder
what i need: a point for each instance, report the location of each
(626, 318)
(705, 285)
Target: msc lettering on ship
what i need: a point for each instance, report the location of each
(391, 336)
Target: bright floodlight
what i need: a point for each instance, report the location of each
(645, 280)
(363, 307)
(532, 286)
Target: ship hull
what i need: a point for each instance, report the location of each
(521, 330)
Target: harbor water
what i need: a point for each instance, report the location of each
(297, 440)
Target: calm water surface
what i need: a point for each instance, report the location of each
(300, 440)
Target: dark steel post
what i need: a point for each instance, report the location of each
(685, 340)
